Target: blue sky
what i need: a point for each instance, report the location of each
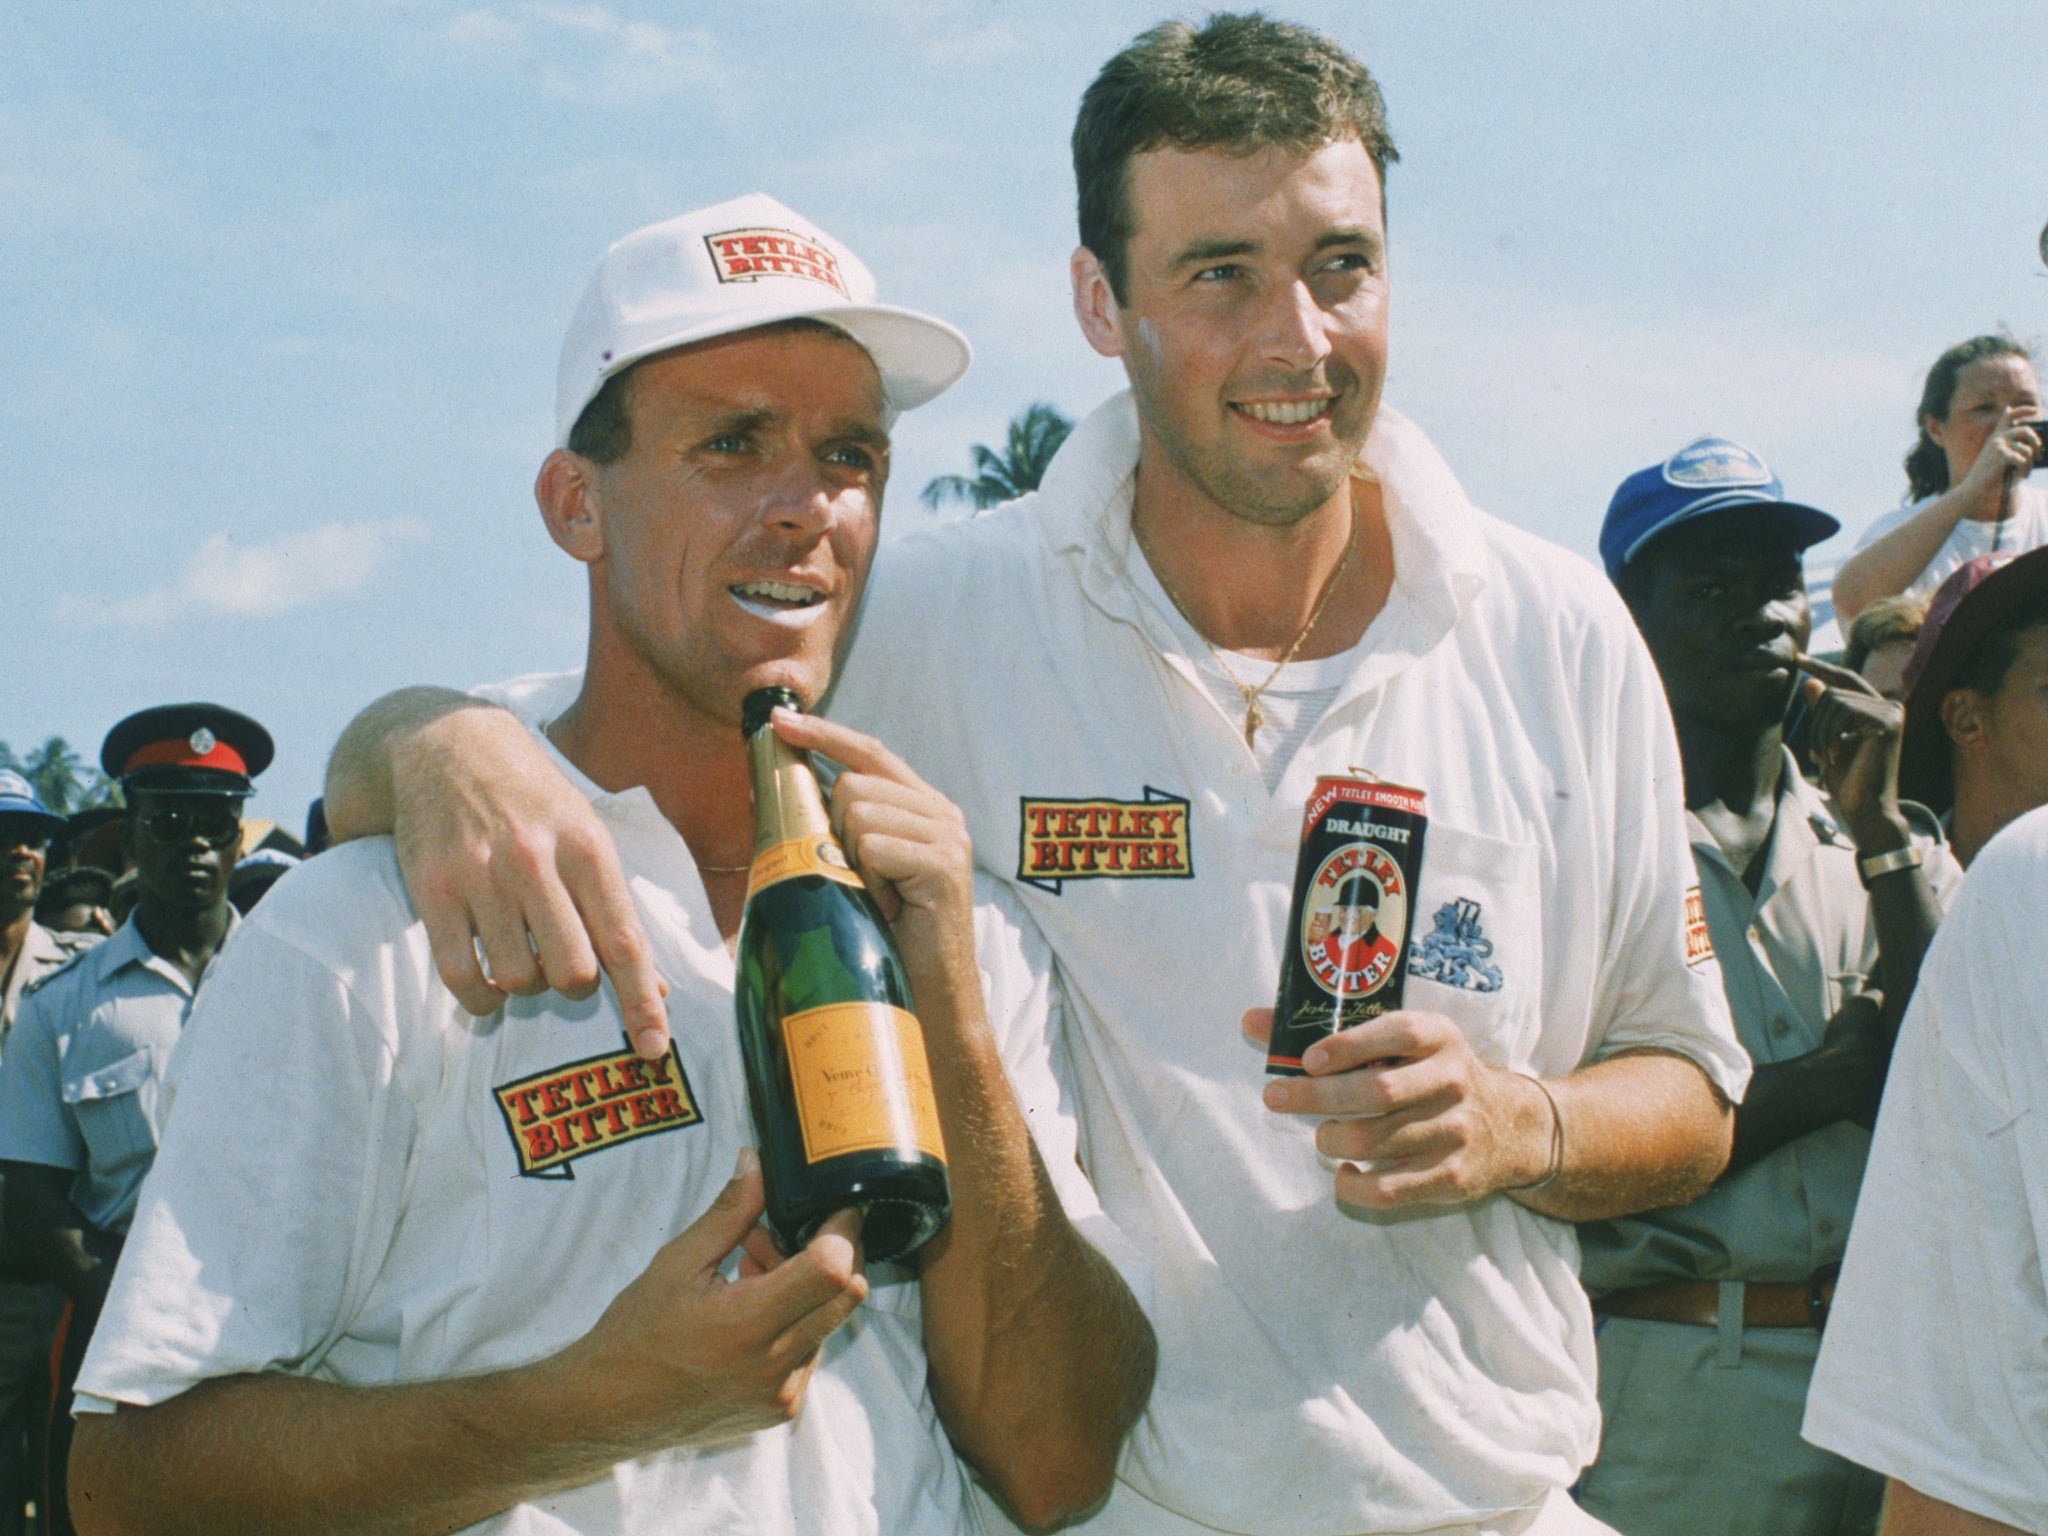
(281, 286)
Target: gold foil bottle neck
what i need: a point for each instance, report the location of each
(787, 801)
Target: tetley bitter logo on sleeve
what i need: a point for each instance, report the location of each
(1062, 840)
(581, 1107)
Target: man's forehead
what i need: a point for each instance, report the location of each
(794, 368)
(1232, 186)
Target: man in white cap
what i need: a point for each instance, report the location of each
(353, 1299)
(1240, 576)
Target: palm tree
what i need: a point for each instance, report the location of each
(63, 780)
(1035, 436)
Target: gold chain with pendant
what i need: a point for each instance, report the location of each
(1254, 717)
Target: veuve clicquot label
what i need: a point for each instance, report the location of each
(861, 1080)
(799, 856)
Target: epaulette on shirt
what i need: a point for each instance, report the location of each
(77, 947)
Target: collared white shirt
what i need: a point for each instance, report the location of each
(1320, 1371)
(361, 1184)
(80, 1078)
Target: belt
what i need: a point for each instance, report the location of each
(1765, 1304)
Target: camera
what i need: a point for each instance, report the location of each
(2040, 431)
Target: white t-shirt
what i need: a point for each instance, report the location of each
(361, 1184)
(1934, 1367)
(2025, 528)
(1320, 1371)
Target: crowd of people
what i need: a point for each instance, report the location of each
(1590, 1234)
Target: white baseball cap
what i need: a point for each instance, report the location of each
(730, 268)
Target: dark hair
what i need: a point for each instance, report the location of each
(603, 434)
(1983, 670)
(72, 885)
(1884, 622)
(1927, 464)
(1242, 82)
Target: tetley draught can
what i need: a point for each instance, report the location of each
(1346, 957)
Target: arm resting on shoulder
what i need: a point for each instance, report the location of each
(512, 873)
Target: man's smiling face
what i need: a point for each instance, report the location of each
(1255, 326)
(738, 528)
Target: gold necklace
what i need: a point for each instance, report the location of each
(1254, 717)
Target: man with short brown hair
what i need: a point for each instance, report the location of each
(1240, 575)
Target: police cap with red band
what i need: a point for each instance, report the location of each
(187, 749)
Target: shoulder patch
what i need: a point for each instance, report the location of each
(1060, 840)
(1698, 946)
(581, 1107)
(75, 954)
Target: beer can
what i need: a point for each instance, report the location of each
(1348, 927)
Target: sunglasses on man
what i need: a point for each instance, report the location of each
(216, 826)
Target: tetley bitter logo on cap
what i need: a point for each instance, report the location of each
(746, 255)
(1715, 462)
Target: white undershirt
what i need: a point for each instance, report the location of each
(1292, 703)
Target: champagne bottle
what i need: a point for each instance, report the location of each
(836, 1070)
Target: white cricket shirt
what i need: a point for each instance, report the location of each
(360, 1183)
(1320, 1371)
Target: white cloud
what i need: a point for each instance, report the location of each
(223, 579)
(590, 53)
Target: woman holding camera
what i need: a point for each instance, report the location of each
(1980, 436)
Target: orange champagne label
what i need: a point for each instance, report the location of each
(800, 856)
(862, 1081)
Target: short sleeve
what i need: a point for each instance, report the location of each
(264, 1219)
(1659, 987)
(35, 1127)
(1027, 1013)
(1932, 1369)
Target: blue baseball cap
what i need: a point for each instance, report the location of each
(1709, 474)
(18, 799)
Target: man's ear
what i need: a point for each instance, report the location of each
(570, 504)
(1095, 305)
(1962, 716)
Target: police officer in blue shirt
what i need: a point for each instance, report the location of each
(80, 1075)
(1819, 899)
(29, 1306)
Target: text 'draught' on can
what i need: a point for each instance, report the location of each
(1346, 950)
